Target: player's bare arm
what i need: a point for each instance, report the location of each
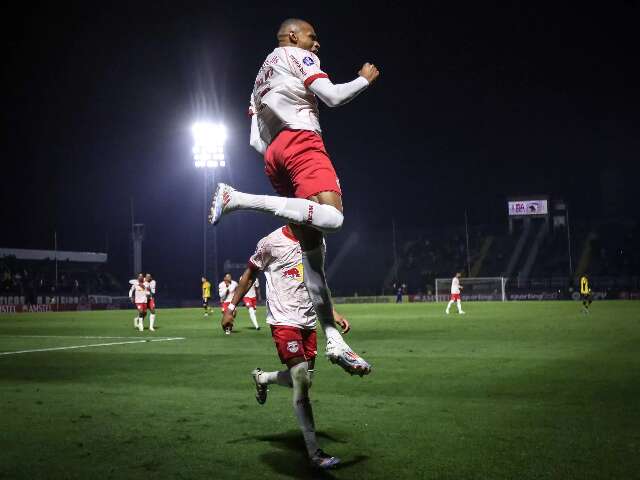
(342, 321)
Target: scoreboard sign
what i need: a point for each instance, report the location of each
(523, 208)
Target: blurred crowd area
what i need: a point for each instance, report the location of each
(33, 278)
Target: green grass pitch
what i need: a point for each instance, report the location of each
(518, 390)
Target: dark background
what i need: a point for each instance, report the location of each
(476, 101)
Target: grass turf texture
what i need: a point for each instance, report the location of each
(511, 390)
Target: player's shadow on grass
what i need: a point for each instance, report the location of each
(291, 458)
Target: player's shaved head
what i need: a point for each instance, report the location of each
(295, 32)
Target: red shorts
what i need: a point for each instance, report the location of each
(292, 342)
(250, 302)
(224, 306)
(152, 304)
(142, 308)
(455, 297)
(298, 165)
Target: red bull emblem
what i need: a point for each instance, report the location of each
(294, 272)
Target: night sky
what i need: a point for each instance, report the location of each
(474, 103)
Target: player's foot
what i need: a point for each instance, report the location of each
(261, 389)
(151, 329)
(141, 327)
(257, 328)
(220, 202)
(341, 354)
(447, 312)
(227, 331)
(206, 314)
(462, 313)
(323, 460)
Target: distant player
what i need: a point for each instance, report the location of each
(139, 295)
(455, 294)
(585, 294)
(206, 295)
(151, 286)
(292, 318)
(226, 289)
(250, 301)
(285, 129)
(133, 282)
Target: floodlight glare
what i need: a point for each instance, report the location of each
(208, 148)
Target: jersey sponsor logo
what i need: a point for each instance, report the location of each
(308, 61)
(295, 273)
(293, 346)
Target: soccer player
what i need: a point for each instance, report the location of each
(250, 301)
(226, 288)
(285, 128)
(139, 295)
(134, 282)
(206, 295)
(292, 318)
(455, 294)
(151, 286)
(585, 294)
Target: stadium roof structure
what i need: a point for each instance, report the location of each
(60, 255)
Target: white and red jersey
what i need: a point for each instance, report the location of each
(281, 97)
(226, 291)
(455, 286)
(279, 256)
(139, 293)
(251, 293)
(152, 287)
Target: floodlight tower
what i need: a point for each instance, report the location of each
(208, 155)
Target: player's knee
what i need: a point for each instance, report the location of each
(331, 219)
(300, 375)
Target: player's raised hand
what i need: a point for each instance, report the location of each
(227, 319)
(370, 72)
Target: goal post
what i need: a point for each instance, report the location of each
(473, 288)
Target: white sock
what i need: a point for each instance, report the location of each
(252, 316)
(459, 306)
(449, 305)
(282, 378)
(319, 293)
(152, 319)
(302, 405)
(296, 210)
(141, 323)
(135, 322)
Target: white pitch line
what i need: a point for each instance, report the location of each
(72, 347)
(77, 336)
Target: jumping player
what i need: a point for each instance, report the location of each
(250, 301)
(206, 295)
(285, 128)
(455, 294)
(292, 318)
(139, 295)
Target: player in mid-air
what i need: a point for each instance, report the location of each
(250, 300)
(292, 318)
(206, 295)
(285, 128)
(585, 294)
(456, 288)
(139, 295)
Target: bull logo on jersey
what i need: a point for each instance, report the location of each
(293, 346)
(308, 61)
(296, 273)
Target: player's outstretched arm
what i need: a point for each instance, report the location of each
(335, 95)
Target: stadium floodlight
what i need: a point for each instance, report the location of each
(208, 144)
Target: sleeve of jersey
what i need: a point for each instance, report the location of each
(305, 65)
(260, 259)
(335, 95)
(221, 290)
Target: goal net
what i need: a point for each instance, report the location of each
(473, 288)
